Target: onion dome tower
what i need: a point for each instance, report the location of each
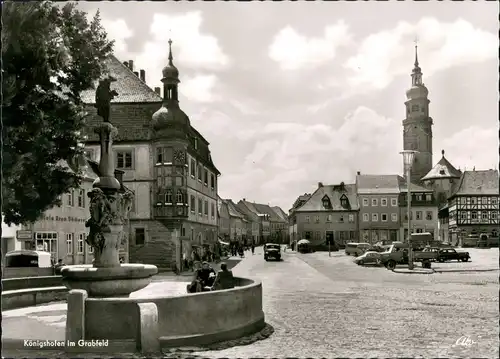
(170, 120)
(417, 126)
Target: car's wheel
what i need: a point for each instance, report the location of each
(465, 259)
(441, 260)
(361, 263)
(391, 264)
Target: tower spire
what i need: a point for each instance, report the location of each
(416, 52)
(170, 57)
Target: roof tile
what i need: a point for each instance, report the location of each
(233, 210)
(130, 88)
(442, 169)
(382, 184)
(280, 212)
(478, 183)
(334, 193)
(414, 187)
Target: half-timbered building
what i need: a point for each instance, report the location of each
(473, 209)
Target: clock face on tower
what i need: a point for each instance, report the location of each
(179, 157)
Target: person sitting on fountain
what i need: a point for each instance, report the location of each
(224, 278)
(204, 279)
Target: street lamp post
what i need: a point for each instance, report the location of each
(408, 157)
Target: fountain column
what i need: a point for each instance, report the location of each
(110, 204)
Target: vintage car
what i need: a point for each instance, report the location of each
(272, 251)
(370, 257)
(450, 254)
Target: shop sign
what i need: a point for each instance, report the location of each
(64, 219)
(24, 235)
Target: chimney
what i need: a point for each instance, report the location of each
(136, 73)
(125, 63)
(143, 75)
(131, 65)
(320, 184)
(359, 173)
(158, 91)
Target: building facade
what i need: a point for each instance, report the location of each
(166, 162)
(253, 222)
(441, 179)
(474, 209)
(277, 224)
(379, 214)
(223, 220)
(263, 220)
(417, 126)
(61, 230)
(237, 223)
(292, 219)
(283, 224)
(424, 211)
(330, 213)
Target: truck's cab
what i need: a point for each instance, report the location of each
(398, 254)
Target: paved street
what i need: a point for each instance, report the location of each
(324, 306)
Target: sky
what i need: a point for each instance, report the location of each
(290, 94)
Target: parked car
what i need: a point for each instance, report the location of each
(450, 254)
(398, 254)
(369, 257)
(272, 250)
(357, 249)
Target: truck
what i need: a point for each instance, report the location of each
(398, 254)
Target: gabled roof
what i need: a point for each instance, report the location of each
(130, 88)
(377, 184)
(247, 212)
(223, 209)
(334, 193)
(233, 210)
(414, 187)
(478, 183)
(300, 201)
(442, 170)
(259, 209)
(250, 207)
(266, 209)
(280, 212)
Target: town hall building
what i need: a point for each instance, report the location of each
(166, 162)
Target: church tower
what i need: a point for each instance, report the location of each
(417, 126)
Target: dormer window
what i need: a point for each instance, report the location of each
(326, 202)
(442, 172)
(344, 202)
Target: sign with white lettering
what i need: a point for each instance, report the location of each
(24, 235)
(63, 219)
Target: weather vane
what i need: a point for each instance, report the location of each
(416, 41)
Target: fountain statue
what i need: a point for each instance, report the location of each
(110, 203)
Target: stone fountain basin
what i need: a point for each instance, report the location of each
(108, 282)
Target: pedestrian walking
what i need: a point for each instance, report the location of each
(253, 248)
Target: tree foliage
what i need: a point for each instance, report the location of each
(50, 54)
